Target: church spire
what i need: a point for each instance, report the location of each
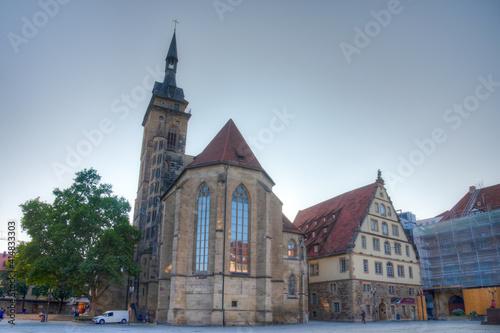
(168, 88)
(171, 60)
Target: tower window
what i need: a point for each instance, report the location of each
(202, 232)
(176, 106)
(239, 231)
(171, 138)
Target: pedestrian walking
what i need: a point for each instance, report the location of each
(363, 316)
(1, 313)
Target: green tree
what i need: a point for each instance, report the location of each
(20, 287)
(81, 243)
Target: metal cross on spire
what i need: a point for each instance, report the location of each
(175, 24)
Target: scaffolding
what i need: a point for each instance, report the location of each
(463, 251)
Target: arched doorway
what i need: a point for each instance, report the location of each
(382, 315)
(455, 302)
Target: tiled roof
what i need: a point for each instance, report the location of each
(4, 257)
(227, 147)
(484, 199)
(289, 226)
(341, 216)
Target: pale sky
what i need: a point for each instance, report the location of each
(326, 93)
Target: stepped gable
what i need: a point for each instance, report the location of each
(341, 215)
(227, 147)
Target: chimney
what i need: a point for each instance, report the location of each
(472, 189)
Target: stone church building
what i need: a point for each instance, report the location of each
(216, 247)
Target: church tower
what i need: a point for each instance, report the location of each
(162, 160)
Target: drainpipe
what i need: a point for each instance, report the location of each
(224, 251)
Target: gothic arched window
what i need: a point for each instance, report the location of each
(171, 138)
(239, 231)
(202, 229)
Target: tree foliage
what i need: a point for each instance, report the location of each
(82, 242)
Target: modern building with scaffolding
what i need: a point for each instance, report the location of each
(460, 255)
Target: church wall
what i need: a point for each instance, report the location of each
(196, 297)
(294, 307)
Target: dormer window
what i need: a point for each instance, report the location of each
(325, 230)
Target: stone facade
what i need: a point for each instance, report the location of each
(219, 296)
(215, 249)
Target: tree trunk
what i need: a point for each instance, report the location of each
(61, 305)
(24, 300)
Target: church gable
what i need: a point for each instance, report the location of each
(227, 147)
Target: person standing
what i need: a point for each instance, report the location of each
(363, 316)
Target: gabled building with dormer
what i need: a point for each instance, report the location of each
(360, 258)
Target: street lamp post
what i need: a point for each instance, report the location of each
(374, 292)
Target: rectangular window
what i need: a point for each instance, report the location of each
(156, 146)
(410, 272)
(393, 311)
(152, 174)
(374, 225)
(367, 288)
(376, 207)
(154, 160)
(401, 271)
(315, 248)
(376, 244)
(158, 173)
(342, 265)
(160, 145)
(368, 309)
(395, 230)
(313, 269)
(336, 307)
(333, 287)
(411, 291)
(313, 299)
(404, 310)
(389, 211)
(378, 268)
(407, 250)
(363, 242)
(391, 290)
(365, 266)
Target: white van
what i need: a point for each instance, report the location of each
(114, 316)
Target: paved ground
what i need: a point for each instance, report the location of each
(30, 326)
